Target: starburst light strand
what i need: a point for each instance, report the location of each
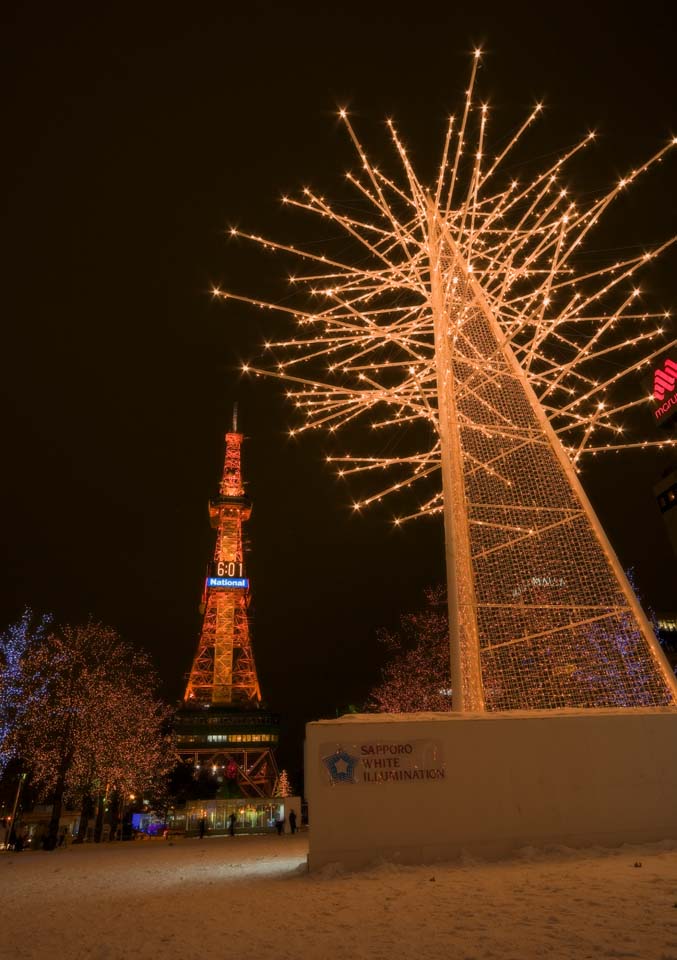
(467, 310)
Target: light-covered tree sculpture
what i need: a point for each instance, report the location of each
(464, 306)
(283, 786)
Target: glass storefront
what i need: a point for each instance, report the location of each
(252, 816)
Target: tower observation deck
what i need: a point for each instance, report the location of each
(222, 725)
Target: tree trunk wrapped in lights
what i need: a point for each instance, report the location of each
(465, 309)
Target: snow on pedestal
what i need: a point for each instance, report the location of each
(417, 788)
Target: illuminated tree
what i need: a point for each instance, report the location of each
(416, 675)
(283, 786)
(95, 725)
(16, 686)
(123, 747)
(461, 317)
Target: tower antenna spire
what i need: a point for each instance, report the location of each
(235, 417)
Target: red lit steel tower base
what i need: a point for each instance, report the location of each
(221, 725)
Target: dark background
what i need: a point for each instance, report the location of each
(134, 136)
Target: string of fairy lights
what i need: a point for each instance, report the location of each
(463, 307)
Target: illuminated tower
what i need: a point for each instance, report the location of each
(221, 724)
(223, 671)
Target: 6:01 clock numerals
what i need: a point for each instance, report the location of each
(227, 568)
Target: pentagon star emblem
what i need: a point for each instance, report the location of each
(341, 766)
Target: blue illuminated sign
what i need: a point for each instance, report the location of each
(227, 583)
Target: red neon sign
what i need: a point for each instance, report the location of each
(664, 392)
(664, 379)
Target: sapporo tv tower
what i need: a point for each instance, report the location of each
(221, 725)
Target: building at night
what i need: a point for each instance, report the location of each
(664, 413)
(222, 726)
(667, 634)
(665, 492)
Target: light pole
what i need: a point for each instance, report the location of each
(20, 786)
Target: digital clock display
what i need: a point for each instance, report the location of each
(227, 568)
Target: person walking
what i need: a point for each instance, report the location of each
(279, 825)
(201, 827)
(292, 821)
(232, 820)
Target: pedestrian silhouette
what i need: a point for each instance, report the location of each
(232, 820)
(292, 821)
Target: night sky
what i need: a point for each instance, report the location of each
(134, 137)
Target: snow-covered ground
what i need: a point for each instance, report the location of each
(250, 898)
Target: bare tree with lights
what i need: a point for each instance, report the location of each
(17, 687)
(92, 726)
(466, 308)
(416, 675)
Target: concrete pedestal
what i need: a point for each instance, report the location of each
(425, 787)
